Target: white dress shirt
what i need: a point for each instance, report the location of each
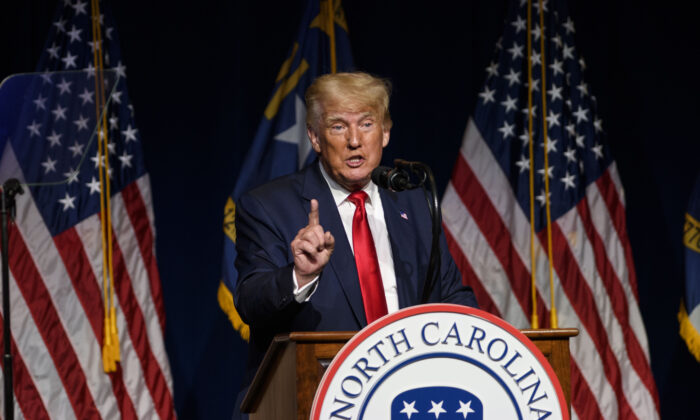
(380, 234)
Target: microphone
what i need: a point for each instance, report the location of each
(394, 179)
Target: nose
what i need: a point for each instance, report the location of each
(353, 138)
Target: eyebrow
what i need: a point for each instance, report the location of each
(335, 118)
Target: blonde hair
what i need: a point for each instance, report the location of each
(350, 90)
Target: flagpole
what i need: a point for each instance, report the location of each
(331, 34)
(10, 189)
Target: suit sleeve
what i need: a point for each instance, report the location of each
(264, 291)
(452, 290)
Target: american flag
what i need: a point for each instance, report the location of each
(486, 210)
(56, 248)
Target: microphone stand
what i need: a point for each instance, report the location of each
(10, 189)
(431, 198)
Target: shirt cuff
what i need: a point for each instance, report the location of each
(303, 294)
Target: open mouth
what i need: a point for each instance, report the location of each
(355, 161)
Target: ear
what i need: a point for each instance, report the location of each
(313, 138)
(385, 137)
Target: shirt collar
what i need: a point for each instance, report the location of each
(340, 194)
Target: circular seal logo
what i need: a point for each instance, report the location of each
(439, 362)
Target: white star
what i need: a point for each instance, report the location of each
(90, 70)
(571, 129)
(53, 51)
(499, 44)
(536, 58)
(519, 24)
(568, 52)
(59, 112)
(537, 32)
(116, 97)
(437, 408)
(541, 198)
(71, 176)
(95, 46)
(129, 134)
(98, 160)
(598, 150)
(536, 5)
(549, 172)
(487, 95)
(557, 40)
(125, 159)
(67, 202)
(509, 103)
(465, 409)
(516, 50)
(113, 122)
(570, 154)
(582, 63)
(568, 181)
(64, 86)
(54, 139)
(556, 67)
(108, 32)
(76, 148)
(551, 145)
(492, 69)
(49, 165)
(74, 34)
(86, 96)
(535, 85)
(81, 123)
(553, 119)
(580, 114)
(60, 25)
(555, 92)
(583, 88)
(525, 137)
(111, 147)
(296, 134)
(598, 124)
(507, 130)
(408, 409)
(34, 129)
(121, 69)
(534, 110)
(80, 7)
(40, 102)
(523, 164)
(512, 77)
(579, 140)
(94, 186)
(569, 25)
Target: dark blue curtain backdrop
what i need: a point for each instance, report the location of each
(200, 74)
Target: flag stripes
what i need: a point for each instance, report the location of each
(488, 231)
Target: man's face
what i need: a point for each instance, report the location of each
(349, 144)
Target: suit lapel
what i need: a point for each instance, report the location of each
(400, 225)
(342, 262)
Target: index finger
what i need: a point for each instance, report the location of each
(313, 214)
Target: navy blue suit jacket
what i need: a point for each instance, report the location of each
(267, 220)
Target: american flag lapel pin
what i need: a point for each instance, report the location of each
(403, 215)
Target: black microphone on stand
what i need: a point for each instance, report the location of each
(394, 179)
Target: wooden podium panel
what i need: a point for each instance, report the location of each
(285, 384)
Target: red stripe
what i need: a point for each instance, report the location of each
(617, 215)
(50, 327)
(470, 278)
(71, 249)
(582, 399)
(582, 300)
(153, 376)
(136, 209)
(25, 391)
(474, 197)
(618, 301)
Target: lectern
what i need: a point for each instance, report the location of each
(285, 384)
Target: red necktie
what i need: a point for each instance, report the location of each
(366, 260)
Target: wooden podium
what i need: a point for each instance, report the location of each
(285, 384)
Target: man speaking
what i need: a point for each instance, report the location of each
(324, 248)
